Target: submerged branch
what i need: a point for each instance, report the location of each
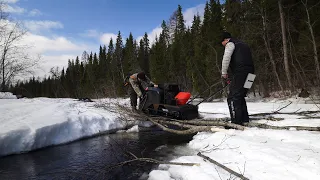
(150, 160)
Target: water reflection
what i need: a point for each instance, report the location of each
(89, 158)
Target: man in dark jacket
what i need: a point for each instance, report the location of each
(237, 56)
(139, 82)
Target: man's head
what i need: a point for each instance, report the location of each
(142, 76)
(225, 38)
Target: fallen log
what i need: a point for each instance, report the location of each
(201, 122)
(212, 122)
(270, 118)
(206, 125)
(198, 125)
(288, 113)
(191, 130)
(266, 126)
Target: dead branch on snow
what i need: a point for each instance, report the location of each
(223, 166)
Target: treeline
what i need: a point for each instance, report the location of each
(283, 36)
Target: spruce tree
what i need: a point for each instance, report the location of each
(195, 62)
(143, 55)
(95, 68)
(118, 58)
(103, 67)
(177, 63)
(130, 60)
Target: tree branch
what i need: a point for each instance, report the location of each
(223, 166)
(150, 160)
(298, 128)
(283, 107)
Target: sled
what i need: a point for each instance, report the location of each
(168, 100)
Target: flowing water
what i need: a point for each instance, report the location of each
(94, 158)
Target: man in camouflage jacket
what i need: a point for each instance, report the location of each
(139, 82)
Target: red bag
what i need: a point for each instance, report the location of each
(182, 98)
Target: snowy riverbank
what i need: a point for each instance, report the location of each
(258, 154)
(28, 124)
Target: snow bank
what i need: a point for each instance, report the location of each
(28, 124)
(7, 95)
(255, 153)
(220, 109)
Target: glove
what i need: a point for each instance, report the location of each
(224, 76)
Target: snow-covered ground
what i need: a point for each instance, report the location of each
(7, 95)
(256, 153)
(28, 124)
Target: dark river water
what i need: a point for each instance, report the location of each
(94, 158)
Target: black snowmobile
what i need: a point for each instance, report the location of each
(169, 101)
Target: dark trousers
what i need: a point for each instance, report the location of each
(133, 97)
(236, 99)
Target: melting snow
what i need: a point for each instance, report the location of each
(260, 154)
(28, 124)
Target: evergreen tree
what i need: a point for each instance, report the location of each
(110, 60)
(143, 55)
(130, 60)
(95, 68)
(191, 56)
(103, 67)
(146, 63)
(118, 58)
(195, 66)
(177, 63)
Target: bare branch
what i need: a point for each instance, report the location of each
(15, 60)
(223, 166)
(313, 5)
(283, 107)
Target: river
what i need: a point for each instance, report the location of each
(92, 158)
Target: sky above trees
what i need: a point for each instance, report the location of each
(60, 30)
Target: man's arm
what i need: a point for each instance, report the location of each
(150, 82)
(227, 57)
